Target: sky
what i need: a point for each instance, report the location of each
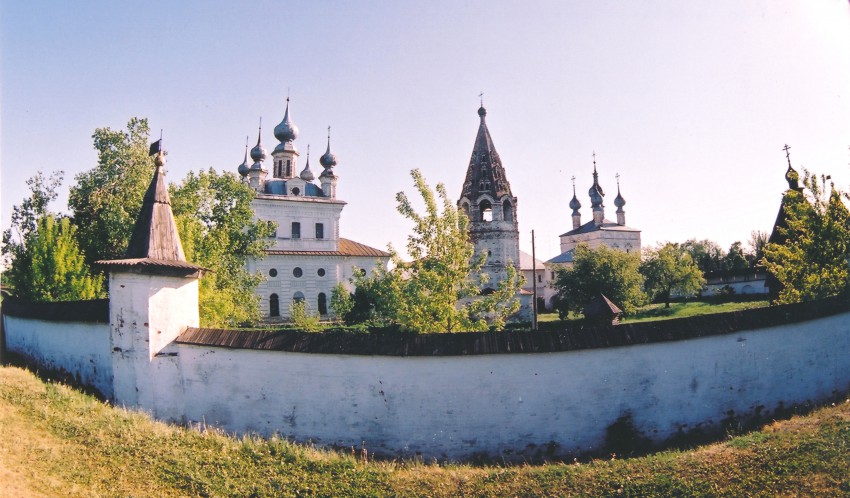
(690, 103)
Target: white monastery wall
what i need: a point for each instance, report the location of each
(79, 348)
(459, 406)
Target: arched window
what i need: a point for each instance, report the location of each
(465, 207)
(288, 171)
(298, 297)
(507, 211)
(274, 305)
(323, 304)
(486, 210)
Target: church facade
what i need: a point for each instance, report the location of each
(307, 258)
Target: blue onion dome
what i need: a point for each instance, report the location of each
(482, 111)
(595, 196)
(575, 205)
(243, 168)
(619, 201)
(286, 131)
(306, 173)
(258, 153)
(328, 159)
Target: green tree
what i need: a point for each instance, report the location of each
(26, 215)
(811, 261)
(707, 254)
(735, 259)
(50, 265)
(342, 301)
(669, 269)
(602, 270)
(757, 243)
(106, 199)
(218, 230)
(440, 290)
(301, 316)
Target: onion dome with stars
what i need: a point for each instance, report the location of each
(286, 131)
(306, 173)
(243, 168)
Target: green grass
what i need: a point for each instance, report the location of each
(55, 440)
(681, 310)
(653, 312)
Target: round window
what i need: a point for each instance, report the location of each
(272, 272)
(296, 191)
(297, 272)
(321, 272)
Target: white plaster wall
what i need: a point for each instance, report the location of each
(79, 348)
(146, 314)
(454, 407)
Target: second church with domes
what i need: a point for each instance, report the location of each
(307, 258)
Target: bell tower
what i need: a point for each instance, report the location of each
(491, 207)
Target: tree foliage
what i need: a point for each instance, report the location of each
(218, 230)
(811, 258)
(26, 215)
(601, 270)
(440, 290)
(50, 267)
(669, 269)
(106, 199)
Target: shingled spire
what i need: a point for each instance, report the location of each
(155, 243)
(485, 174)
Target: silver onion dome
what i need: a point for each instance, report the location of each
(258, 153)
(328, 159)
(243, 168)
(286, 131)
(306, 173)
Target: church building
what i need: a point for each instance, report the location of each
(598, 231)
(307, 258)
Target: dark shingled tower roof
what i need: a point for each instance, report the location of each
(155, 244)
(485, 174)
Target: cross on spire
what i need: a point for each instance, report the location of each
(617, 176)
(481, 97)
(787, 148)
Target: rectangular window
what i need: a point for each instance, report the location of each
(296, 230)
(320, 231)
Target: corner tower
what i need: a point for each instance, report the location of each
(491, 207)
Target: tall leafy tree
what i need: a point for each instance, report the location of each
(50, 265)
(106, 199)
(758, 241)
(811, 258)
(440, 290)
(25, 216)
(218, 230)
(735, 258)
(669, 269)
(707, 254)
(601, 270)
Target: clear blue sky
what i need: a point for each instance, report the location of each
(691, 102)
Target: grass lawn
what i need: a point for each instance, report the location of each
(676, 310)
(55, 441)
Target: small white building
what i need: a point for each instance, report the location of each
(307, 258)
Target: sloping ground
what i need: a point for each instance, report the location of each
(57, 441)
